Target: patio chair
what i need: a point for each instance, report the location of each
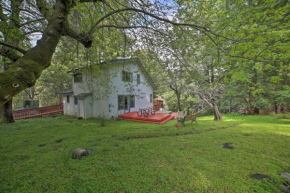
(150, 110)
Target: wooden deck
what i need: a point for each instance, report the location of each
(158, 118)
(38, 112)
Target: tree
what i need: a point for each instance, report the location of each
(55, 19)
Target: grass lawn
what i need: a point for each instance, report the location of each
(35, 155)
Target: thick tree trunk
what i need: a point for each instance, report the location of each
(217, 114)
(215, 110)
(6, 113)
(26, 70)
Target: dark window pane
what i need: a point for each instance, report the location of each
(151, 98)
(126, 76)
(78, 77)
(76, 100)
(138, 78)
(67, 99)
(120, 102)
(132, 101)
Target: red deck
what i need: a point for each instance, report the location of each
(158, 118)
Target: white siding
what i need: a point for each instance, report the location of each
(142, 91)
(96, 106)
(70, 108)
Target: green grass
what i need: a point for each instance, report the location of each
(138, 157)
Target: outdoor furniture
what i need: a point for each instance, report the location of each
(181, 115)
(142, 112)
(150, 110)
(145, 112)
(187, 118)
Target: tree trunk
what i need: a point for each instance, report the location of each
(249, 106)
(178, 102)
(26, 70)
(6, 113)
(215, 110)
(217, 114)
(278, 108)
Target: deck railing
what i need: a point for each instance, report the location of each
(38, 112)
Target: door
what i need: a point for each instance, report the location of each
(126, 101)
(81, 108)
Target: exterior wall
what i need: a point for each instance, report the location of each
(142, 91)
(70, 108)
(96, 106)
(101, 108)
(88, 102)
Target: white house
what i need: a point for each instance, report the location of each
(108, 90)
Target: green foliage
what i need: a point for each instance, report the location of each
(138, 157)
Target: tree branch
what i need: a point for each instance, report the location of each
(9, 53)
(81, 37)
(203, 29)
(44, 10)
(88, 1)
(13, 47)
(29, 22)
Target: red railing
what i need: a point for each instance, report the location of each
(37, 112)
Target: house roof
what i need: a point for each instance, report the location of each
(82, 96)
(66, 92)
(127, 60)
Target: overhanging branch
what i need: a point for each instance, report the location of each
(14, 47)
(201, 28)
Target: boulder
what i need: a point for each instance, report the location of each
(79, 153)
(286, 176)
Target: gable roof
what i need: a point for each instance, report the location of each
(65, 92)
(149, 79)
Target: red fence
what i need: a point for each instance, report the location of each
(37, 112)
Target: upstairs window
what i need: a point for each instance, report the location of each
(126, 76)
(151, 98)
(78, 77)
(138, 79)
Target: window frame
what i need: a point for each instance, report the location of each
(138, 79)
(78, 78)
(75, 101)
(123, 101)
(127, 76)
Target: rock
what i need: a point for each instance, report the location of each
(286, 176)
(260, 176)
(228, 146)
(79, 153)
(284, 188)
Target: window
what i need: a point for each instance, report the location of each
(126, 76)
(76, 100)
(132, 101)
(120, 102)
(67, 99)
(77, 77)
(151, 98)
(125, 100)
(138, 79)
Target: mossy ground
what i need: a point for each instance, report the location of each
(138, 157)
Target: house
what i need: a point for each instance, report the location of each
(109, 90)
